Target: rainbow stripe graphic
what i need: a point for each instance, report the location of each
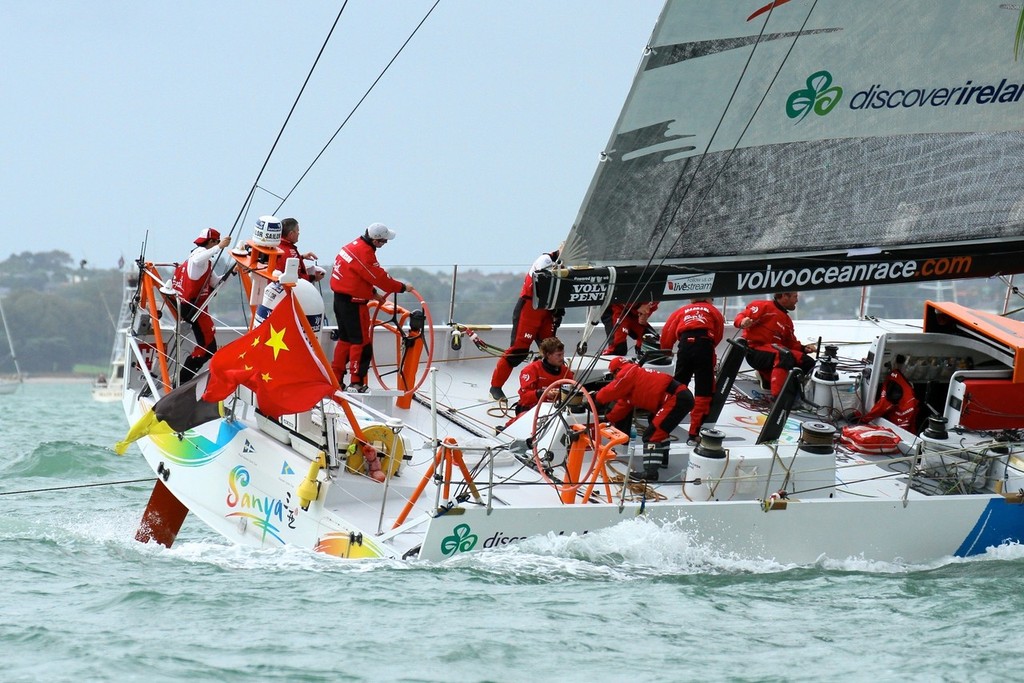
(192, 449)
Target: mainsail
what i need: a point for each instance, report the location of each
(808, 144)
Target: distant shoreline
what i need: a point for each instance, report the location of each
(42, 379)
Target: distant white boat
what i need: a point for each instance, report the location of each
(10, 383)
(109, 387)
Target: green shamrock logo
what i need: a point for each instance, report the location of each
(819, 95)
(460, 540)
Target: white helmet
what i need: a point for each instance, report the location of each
(379, 231)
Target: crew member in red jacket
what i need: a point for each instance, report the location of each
(698, 327)
(765, 323)
(529, 325)
(355, 278)
(633, 387)
(542, 373)
(193, 281)
(897, 402)
(629, 321)
(289, 237)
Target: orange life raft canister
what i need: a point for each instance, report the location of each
(870, 439)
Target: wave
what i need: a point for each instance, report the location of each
(69, 459)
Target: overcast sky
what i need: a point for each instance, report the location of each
(476, 147)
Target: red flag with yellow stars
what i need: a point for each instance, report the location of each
(276, 361)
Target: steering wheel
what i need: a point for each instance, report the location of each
(543, 425)
(421, 325)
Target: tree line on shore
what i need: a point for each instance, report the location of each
(62, 313)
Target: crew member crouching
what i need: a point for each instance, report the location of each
(897, 402)
(667, 400)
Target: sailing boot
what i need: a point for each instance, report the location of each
(655, 457)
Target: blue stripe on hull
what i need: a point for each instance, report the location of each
(1000, 522)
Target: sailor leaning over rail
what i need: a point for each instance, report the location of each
(529, 325)
(193, 281)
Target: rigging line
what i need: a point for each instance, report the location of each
(704, 154)
(750, 121)
(272, 194)
(291, 111)
(711, 139)
(647, 274)
(693, 176)
(78, 486)
(256, 183)
(358, 104)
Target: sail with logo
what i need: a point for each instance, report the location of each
(808, 144)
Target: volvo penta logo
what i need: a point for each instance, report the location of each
(820, 96)
(591, 289)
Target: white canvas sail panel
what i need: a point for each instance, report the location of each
(757, 132)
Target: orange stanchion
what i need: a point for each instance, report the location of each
(574, 464)
(340, 399)
(149, 301)
(411, 362)
(450, 455)
(605, 455)
(249, 262)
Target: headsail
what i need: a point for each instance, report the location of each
(809, 144)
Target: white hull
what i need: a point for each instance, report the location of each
(9, 386)
(240, 477)
(108, 393)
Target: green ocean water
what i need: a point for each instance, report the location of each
(84, 602)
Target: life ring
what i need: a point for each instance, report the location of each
(390, 456)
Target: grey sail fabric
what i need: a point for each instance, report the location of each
(758, 131)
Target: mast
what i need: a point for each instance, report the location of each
(10, 341)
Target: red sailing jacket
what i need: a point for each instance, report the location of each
(292, 251)
(356, 272)
(634, 386)
(897, 402)
(700, 315)
(194, 290)
(772, 325)
(632, 322)
(535, 378)
(527, 291)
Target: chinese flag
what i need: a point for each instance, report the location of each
(276, 361)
